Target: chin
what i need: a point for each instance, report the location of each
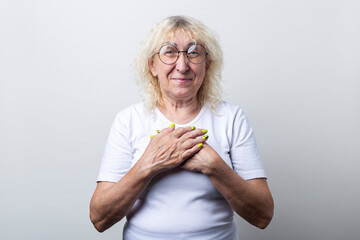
(182, 93)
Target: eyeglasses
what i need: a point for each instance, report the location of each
(169, 54)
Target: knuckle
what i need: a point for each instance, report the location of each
(166, 130)
(181, 131)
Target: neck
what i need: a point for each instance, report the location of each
(180, 112)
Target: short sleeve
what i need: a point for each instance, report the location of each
(117, 157)
(244, 152)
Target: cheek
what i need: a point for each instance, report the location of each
(201, 72)
(163, 70)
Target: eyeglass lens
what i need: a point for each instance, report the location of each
(169, 54)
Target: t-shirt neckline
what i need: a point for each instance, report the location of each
(191, 123)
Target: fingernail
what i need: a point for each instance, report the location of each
(206, 137)
(151, 136)
(200, 145)
(193, 128)
(204, 131)
(171, 125)
(158, 131)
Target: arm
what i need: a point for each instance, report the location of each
(250, 199)
(112, 201)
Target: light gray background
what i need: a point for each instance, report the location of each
(65, 71)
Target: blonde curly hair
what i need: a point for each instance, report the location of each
(210, 91)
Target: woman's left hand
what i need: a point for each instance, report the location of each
(250, 199)
(202, 160)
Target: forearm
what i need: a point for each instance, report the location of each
(250, 199)
(113, 201)
(168, 149)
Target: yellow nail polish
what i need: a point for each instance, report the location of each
(151, 136)
(206, 137)
(158, 131)
(171, 125)
(200, 145)
(204, 131)
(193, 128)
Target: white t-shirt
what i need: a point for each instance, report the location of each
(180, 204)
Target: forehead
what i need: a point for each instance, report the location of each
(179, 37)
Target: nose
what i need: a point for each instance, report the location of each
(182, 64)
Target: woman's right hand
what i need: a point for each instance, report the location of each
(170, 148)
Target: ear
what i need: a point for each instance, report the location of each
(152, 67)
(208, 63)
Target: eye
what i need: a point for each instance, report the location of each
(193, 51)
(168, 51)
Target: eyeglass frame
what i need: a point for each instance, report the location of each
(178, 53)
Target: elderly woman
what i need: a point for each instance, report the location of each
(179, 164)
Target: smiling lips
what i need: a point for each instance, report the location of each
(182, 80)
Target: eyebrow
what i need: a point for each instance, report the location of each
(172, 43)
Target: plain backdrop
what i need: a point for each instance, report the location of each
(66, 69)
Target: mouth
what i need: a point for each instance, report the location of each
(182, 80)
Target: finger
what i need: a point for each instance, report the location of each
(189, 143)
(194, 134)
(204, 131)
(197, 132)
(180, 131)
(192, 151)
(162, 132)
(165, 130)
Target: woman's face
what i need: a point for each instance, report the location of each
(181, 80)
